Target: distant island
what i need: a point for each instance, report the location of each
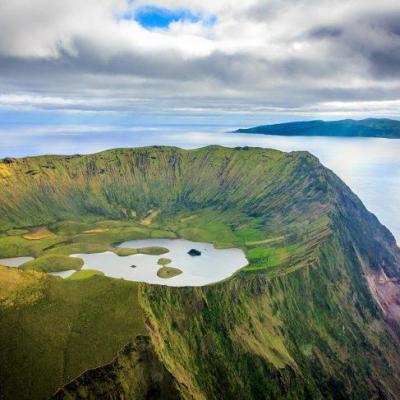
(370, 127)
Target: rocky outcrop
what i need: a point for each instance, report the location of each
(386, 292)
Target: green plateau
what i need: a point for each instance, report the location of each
(312, 316)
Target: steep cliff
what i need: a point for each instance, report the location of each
(314, 314)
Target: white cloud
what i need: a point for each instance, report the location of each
(282, 54)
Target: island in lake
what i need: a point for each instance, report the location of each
(370, 127)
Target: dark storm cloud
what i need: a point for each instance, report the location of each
(235, 71)
(324, 32)
(372, 37)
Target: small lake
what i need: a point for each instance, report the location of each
(63, 274)
(211, 266)
(14, 261)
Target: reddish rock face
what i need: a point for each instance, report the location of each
(386, 292)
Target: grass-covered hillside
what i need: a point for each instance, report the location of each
(311, 316)
(130, 184)
(52, 330)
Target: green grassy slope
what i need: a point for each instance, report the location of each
(298, 322)
(126, 184)
(52, 330)
(314, 333)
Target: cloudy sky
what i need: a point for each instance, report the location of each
(173, 60)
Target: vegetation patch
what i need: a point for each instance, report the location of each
(188, 218)
(160, 233)
(153, 250)
(103, 240)
(124, 251)
(18, 288)
(5, 171)
(53, 263)
(168, 272)
(149, 219)
(97, 230)
(38, 234)
(265, 241)
(84, 274)
(16, 232)
(67, 228)
(163, 261)
(16, 246)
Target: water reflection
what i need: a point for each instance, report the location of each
(211, 266)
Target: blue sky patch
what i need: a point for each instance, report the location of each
(158, 17)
